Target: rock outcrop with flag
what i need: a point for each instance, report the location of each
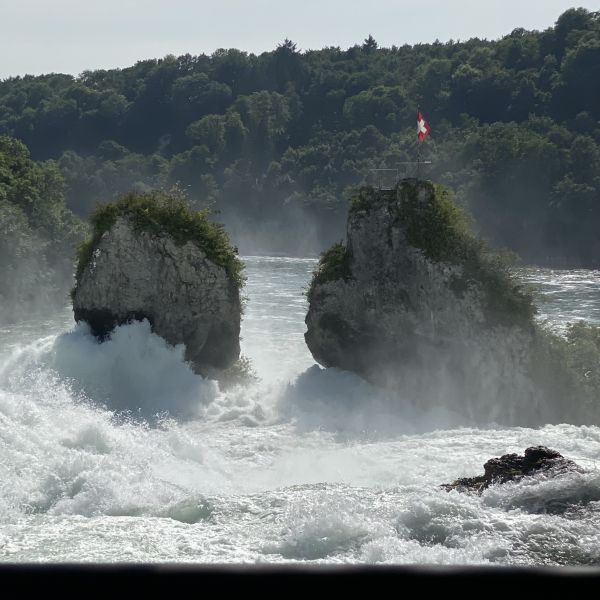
(415, 303)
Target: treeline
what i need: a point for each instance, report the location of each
(38, 234)
(275, 141)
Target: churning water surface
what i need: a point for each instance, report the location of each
(306, 465)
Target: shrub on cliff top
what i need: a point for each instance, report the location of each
(436, 225)
(334, 264)
(164, 213)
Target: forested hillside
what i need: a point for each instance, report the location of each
(38, 234)
(274, 141)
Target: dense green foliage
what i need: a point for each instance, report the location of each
(37, 234)
(164, 213)
(278, 138)
(334, 264)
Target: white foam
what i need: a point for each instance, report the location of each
(323, 469)
(134, 370)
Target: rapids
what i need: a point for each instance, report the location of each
(305, 465)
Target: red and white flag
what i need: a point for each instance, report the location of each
(422, 127)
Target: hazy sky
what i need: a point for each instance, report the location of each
(69, 36)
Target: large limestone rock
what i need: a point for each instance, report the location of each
(411, 303)
(186, 297)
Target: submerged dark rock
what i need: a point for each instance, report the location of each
(513, 467)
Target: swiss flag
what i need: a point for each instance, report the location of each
(422, 127)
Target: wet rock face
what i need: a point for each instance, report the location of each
(414, 302)
(186, 298)
(393, 301)
(396, 318)
(513, 467)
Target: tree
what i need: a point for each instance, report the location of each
(369, 45)
(208, 131)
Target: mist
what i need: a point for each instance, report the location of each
(32, 286)
(290, 229)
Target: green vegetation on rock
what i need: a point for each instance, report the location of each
(434, 224)
(334, 264)
(165, 213)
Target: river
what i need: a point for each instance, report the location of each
(306, 465)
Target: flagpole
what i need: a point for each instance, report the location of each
(418, 146)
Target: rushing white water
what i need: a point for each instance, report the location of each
(306, 465)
